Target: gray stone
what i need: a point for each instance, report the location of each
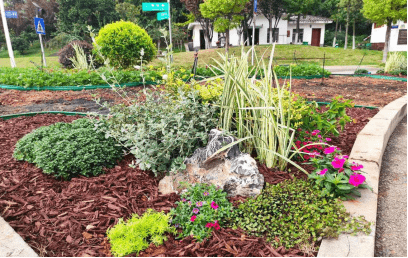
(233, 171)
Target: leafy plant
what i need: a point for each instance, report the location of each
(136, 234)
(294, 213)
(310, 144)
(20, 44)
(211, 91)
(161, 131)
(336, 176)
(396, 61)
(81, 61)
(121, 42)
(67, 150)
(202, 209)
(361, 71)
(304, 69)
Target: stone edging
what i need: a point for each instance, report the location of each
(11, 243)
(368, 150)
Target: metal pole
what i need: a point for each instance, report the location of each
(7, 35)
(171, 41)
(253, 39)
(324, 59)
(41, 43)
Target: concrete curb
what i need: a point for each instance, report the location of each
(11, 243)
(368, 150)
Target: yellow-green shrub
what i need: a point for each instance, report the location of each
(121, 42)
(210, 91)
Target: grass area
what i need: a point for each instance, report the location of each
(284, 54)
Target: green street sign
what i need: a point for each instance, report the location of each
(155, 6)
(162, 16)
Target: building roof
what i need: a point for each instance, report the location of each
(308, 19)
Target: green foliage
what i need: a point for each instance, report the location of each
(294, 213)
(67, 150)
(333, 172)
(127, 11)
(20, 44)
(398, 72)
(81, 61)
(396, 61)
(211, 91)
(32, 77)
(62, 39)
(161, 131)
(381, 12)
(361, 71)
(304, 69)
(122, 43)
(136, 234)
(200, 197)
(68, 52)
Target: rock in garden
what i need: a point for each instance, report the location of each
(232, 170)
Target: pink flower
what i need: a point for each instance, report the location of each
(314, 133)
(338, 163)
(319, 136)
(314, 154)
(209, 225)
(193, 218)
(341, 170)
(307, 131)
(214, 205)
(306, 157)
(345, 157)
(322, 172)
(356, 167)
(328, 139)
(329, 150)
(356, 179)
(298, 142)
(196, 211)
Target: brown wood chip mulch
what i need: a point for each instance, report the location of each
(70, 218)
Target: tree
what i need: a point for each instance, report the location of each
(356, 16)
(225, 13)
(127, 11)
(79, 13)
(272, 9)
(385, 12)
(298, 8)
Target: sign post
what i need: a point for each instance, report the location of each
(7, 35)
(164, 9)
(253, 31)
(40, 30)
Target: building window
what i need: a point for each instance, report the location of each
(300, 37)
(402, 37)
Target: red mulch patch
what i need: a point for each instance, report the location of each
(70, 218)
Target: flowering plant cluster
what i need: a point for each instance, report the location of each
(201, 210)
(336, 175)
(310, 144)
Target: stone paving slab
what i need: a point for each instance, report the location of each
(11, 243)
(349, 69)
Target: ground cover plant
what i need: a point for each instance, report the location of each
(136, 234)
(295, 213)
(202, 209)
(67, 150)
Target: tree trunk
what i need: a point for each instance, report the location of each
(226, 40)
(335, 33)
(354, 34)
(270, 31)
(297, 30)
(387, 40)
(347, 25)
(158, 44)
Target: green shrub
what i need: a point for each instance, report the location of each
(381, 71)
(304, 69)
(161, 131)
(395, 61)
(201, 210)
(398, 72)
(121, 42)
(211, 91)
(294, 213)
(67, 150)
(361, 71)
(137, 233)
(68, 52)
(20, 44)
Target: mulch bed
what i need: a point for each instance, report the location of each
(70, 218)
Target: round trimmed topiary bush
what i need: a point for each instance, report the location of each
(68, 52)
(67, 150)
(122, 43)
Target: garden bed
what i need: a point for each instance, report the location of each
(70, 218)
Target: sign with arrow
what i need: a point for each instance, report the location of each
(11, 14)
(39, 26)
(162, 16)
(155, 7)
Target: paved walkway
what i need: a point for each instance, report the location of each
(349, 69)
(391, 232)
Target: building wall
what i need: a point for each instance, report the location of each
(307, 31)
(378, 37)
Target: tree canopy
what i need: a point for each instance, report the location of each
(383, 11)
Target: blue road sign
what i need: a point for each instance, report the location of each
(39, 26)
(255, 6)
(11, 14)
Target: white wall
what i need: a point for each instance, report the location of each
(378, 36)
(307, 31)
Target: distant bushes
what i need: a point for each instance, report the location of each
(68, 52)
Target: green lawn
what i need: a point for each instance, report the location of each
(284, 54)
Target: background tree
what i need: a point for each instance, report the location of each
(298, 8)
(247, 17)
(385, 12)
(226, 15)
(356, 16)
(272, 9)
(127, 11)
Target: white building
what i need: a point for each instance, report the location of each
(398, 37)
(311, 29)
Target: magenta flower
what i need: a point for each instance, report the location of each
(183, 200)
(338, 163)
(356, 167)
(322, 172)
(193, 218)
(319, 136)
(199, 204)
(356, 179)
(189, 203)
(206, 193)
(328, 139)
(329, 150)
(214, 205)
(209, 225)
(196, 211)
